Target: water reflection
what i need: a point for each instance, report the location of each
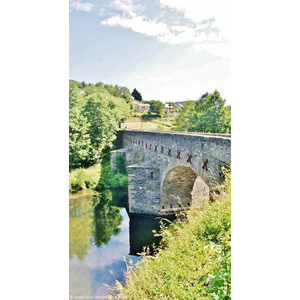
(101, 234)
(107, 218)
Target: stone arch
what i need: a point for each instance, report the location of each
(138, 157)
(182, 187)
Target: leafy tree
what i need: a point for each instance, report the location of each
(184, 119)
(213, 115)
(208, 114)
(94, 118)
(83, 84)
(80, 148)
(136, 95)
(157, 107)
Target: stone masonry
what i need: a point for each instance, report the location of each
(169, 171)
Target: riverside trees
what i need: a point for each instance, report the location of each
(94, 117)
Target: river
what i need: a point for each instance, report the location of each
(101, 234)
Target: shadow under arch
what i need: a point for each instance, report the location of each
(182, 187)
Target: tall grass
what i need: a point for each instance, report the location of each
(81, 179)
(195, 262)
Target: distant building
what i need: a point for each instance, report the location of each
(171, 110)
(140, 107)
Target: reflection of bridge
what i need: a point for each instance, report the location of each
(168, 171)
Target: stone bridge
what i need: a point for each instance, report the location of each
(170, 171)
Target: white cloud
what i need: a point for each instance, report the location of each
(138, 24)
(126, 6)
(80, 6)
(201, 10)
(208, 32)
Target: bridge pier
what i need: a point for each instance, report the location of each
(144, 188)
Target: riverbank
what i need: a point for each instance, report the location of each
(97, 177)
(195, 264)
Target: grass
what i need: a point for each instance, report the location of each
(144, 121)
(194, 259)
(97, 177)
(81, 179)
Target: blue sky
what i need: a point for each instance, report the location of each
(170, 50)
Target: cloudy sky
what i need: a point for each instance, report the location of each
(170, 50)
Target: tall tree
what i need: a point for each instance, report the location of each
(136, 95)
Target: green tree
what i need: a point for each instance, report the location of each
(184, 119)
(136, 95)
(212, 114)
(80, 148)
(156, 107)
(103, 125)
(94, 118)
(208, 114)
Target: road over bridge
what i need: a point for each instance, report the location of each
(170, 171)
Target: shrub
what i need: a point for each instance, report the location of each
(112, 179)
(194, 259)
(120, 163)
(81, 179)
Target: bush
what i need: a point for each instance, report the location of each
(195, 262)
(110, 179)
(120, 163)
(81, 179)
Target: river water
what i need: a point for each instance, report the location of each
(101, 234)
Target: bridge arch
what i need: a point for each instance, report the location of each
(182, 187)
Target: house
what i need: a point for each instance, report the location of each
(140, 107)
(172, 110)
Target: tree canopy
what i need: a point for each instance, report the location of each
(136, 95)
(94, 117)
(208, 114)
(156, 107)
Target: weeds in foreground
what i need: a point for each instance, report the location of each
(195, 262)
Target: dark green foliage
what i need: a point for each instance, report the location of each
(136, 95)
(120, 163)
(110, 179)
(107, 218)
(208, 114)
(156, 107)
